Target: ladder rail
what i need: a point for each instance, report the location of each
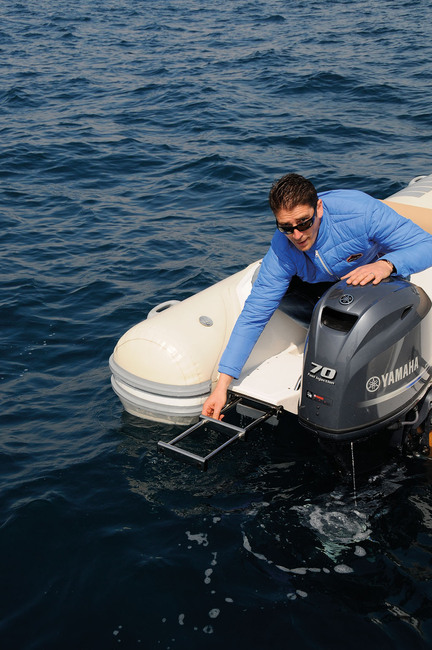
(172, 449)
(199, 424)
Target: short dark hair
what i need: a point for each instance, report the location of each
(292, 190)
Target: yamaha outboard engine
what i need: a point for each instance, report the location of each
(367, 364)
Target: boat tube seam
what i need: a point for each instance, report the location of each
(165, 390)
(152, 407)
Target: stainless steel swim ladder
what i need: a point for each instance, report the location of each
(246, 407)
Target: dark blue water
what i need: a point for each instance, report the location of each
(138, 143)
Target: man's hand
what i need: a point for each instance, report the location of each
(217, 400)
(369, 273)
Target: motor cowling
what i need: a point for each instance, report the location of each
(367, 360)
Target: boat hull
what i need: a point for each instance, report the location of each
(164, 368)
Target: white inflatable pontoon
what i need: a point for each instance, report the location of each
(164, 368)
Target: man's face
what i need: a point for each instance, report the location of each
(303, 241)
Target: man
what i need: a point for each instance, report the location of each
(340, 234)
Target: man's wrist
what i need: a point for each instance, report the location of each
(392, 266)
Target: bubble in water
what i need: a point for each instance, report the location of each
(340, 526)
(248, 547)
(336, 528)
(199, 538)
(343, 568)
(301, 571)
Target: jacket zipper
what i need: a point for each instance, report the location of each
(325, 266)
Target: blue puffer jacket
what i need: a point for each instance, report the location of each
(352, 224)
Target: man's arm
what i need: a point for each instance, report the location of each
(374, 273)
(406, 248)
(267, 292)
(401, 241)
(217, 400)
(264, 299)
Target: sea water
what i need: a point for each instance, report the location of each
(138, 143)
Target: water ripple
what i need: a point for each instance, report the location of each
(138, 145)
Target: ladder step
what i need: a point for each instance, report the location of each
(170, 450)
(220, 425)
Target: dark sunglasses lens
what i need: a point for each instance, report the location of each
(304, 226)
(288, 230)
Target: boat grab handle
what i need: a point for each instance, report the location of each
(160, 308)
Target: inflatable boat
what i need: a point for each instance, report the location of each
(377, 341)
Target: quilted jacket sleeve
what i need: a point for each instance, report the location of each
(267, 292)
(400, 240)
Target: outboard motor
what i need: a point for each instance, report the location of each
(368, 364)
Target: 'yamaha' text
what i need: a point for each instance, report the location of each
(400, 373)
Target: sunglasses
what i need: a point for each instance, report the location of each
(301, 227)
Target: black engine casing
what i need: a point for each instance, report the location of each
(367, 360)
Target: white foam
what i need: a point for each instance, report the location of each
(283, 568)
(199, 538)
(343, 568)
(303, 570)
(117, 632)
(337, 527)
(248, 547)
(340, 526)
